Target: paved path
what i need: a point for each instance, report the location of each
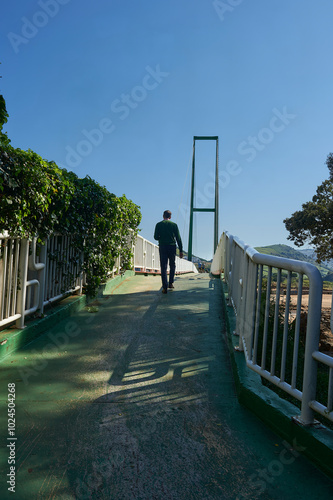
(135, 401)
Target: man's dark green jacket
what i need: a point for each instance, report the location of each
(167, 233)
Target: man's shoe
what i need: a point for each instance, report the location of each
(171, 285)
(164, 290)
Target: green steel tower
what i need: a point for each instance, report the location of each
(216, 207)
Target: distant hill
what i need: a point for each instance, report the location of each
(304, 255)
(309, 252)
(196, 259)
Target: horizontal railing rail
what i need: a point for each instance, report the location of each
(280, 337)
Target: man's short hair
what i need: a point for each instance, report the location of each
(167, 214)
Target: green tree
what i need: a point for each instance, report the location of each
(34, 194)
(37, 198)
(314, 223)
(4, 141)
(40, 199)
(103, 225)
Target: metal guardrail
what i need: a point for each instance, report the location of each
(269, 321)
(147, 259)
(33, 276)
(10, 252)
(57, 269)
(29, 282)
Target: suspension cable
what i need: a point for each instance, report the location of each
(181, 200)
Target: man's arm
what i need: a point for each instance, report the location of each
(156, 233)
(179, 242)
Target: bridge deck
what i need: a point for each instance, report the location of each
(135, 400)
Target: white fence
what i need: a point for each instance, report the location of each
(10, 300)
(266, 293)
(29, 281)
(147, 259)
(33, 276)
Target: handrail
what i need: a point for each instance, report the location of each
(243, 269)
(32, 258)
(147, 259)
(27, 285)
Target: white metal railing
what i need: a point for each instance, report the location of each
(147, 259)
(45, 275)
(10, 251)
(33, 276)
(266, 293)
(58, 269)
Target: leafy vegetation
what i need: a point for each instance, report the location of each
(39, 199)
(35, 194)
(314, 223)
(3, 119)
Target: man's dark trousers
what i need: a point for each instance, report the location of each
(167, 253)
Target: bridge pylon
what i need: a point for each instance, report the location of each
(193, 209)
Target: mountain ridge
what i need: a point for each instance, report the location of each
(281, 250)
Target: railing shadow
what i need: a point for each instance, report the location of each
(149, 385)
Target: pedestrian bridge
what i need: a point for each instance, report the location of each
(134, 396)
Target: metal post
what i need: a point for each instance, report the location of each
(190, 237)
(40, 267)
(311, 346)
(23, 273)
(216, 213)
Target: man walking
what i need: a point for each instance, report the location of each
(167, 234)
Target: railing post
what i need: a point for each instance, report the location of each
(23, 274)
(242, 287)
(223, 256)
(81, 272)
(133, 255)
(240, 318)
(230, 268)
(311, 346)
(40, 269)
(42, 276)
(144, 255)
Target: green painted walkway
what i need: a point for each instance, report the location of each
(136, 401)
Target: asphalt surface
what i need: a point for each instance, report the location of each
(133, 399)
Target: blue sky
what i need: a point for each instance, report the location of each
(117, 89)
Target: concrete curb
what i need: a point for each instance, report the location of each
(13, 339)
(316, 443)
